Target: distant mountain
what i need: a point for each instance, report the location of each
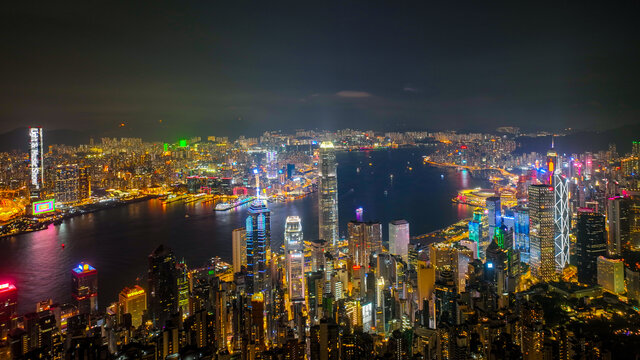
(583, 141)
(18, 139)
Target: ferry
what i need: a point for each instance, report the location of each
(224, 206)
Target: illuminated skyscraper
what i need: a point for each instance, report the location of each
(365, 238)
(494, 215)
(294, 250)
(328, 194)
(258, 236)
(84, 183)
(133, 301)
(399, 238)
(163, 290)
(84, 288)
(239, 248)
(561, 219)
(182, 283)
(591, 243)
(36, 162)
(521, 232)
(619, 226)
(475, 230)
(541, 232)
(8, 306)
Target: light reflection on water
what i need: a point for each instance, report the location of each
(117, 241)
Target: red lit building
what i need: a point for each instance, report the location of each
(84, 288)
(8, 306)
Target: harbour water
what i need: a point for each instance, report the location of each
(389, 185)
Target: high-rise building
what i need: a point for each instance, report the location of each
(328, 194)
(325, 341)
(561, 219)
(541, 232)
(8, 306)
(163, 290)
(521, 231)
(365, 239)
(590, 244)
(618, 223)
(133, 301)
(476, 230)
(294, 251)
(182, 284)
(84, 183)
(494, 214)
(239, 249)
(36, 162)
(66, 184)
(611, 274)
(84, 288)
(258, 240)
(399, 238)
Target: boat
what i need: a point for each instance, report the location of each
(224, 206)
(186, 216)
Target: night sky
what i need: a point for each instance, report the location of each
(228, 67)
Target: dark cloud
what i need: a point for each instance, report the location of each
(245, 67)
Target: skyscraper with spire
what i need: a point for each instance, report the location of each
(561, 218)
(258, 240)
(328, 194)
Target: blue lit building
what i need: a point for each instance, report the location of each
(258, 227)
(521, 231)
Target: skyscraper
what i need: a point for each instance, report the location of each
(619, 226)
(328, 194)
(294, 251)
(541, 232)
(590, 244)
(521, 231)
(561, 219)
(8, 306)
(84, 288)
(494, 214)
(399, 238)
(66, 184)
(36, 163)
(84, 183)
(258, 240)
(163, 290)
(133, 301)
(239, 248)
(365, 238)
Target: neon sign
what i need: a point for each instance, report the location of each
(43, 207)
(35, 137)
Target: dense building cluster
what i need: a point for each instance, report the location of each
(553, 273)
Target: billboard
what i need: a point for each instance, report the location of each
(43, 207)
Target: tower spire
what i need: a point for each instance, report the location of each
(552, 140)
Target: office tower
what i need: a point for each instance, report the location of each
(318, 249)
(325, 341)
(328, 194)
(494, 214)
(163, 290)
(541, 232)
(445, 293)
(426, 282)
(133, 301)
(182, 284)
(40, 327)
(619, 226)
(611, 274)
(561, 219)
(258, 240)
(239, 248)
(84, 183)
(8, 306)
(590, 244)
(293, 234)
(294, 252)
(66, 184)
(399, 238)
(84, 288)
(521, 231)
(476, 230)
(365, 239)
(36, 162)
